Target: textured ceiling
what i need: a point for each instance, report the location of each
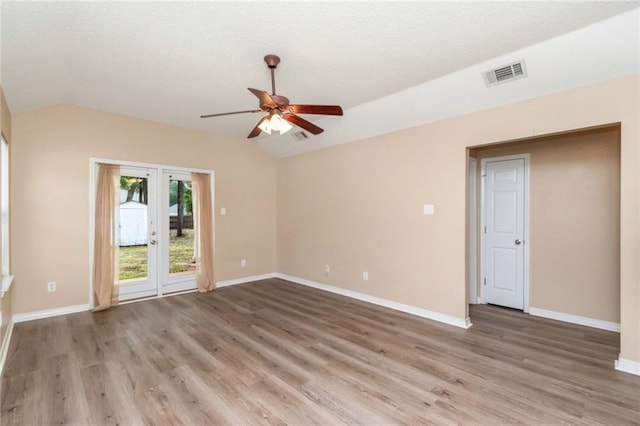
(173, 61)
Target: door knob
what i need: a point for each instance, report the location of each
(153, 242)
(518, 242)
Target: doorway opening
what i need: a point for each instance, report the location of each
(573, 239)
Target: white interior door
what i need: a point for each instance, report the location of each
(504, 214)
(137, 233)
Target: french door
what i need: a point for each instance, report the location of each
(155, 232)
(177, 254)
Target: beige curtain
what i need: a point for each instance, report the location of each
(105, 256)
(203, 227)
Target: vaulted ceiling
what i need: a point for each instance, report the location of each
(173, 61)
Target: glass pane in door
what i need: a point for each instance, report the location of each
(181, 247)
(133, 229)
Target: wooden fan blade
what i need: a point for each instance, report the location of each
(230, 113)
(265, 98)
(316, 109)
(301, 122)
(256, 130)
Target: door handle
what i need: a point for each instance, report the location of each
(153, 242)
(518, 242)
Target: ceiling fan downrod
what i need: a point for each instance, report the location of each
(272, 62)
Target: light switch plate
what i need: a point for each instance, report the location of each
(223, 211)
(429, 209)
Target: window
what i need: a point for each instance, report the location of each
(4, 215)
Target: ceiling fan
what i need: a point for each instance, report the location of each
(280, 111)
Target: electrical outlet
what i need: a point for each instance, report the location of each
(243, 263)
(51, 286)
(327, 269)
(365, 276)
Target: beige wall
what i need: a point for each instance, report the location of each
(574, 240)
(51, 149)
(358, 206)
(6, 301)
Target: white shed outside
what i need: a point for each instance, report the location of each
(133, 224)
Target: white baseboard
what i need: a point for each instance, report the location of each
(628, 366)
(245, 280)
(48, 313)
(4, 349)
(436, 316)
(575, 319)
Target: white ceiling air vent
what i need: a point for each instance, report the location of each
(510, 72)
(299, 136)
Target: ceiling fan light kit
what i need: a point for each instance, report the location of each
(280, 111)
(274, 123)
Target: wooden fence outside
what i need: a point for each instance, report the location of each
(187, 222)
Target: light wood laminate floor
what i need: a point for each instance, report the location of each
(274, 352)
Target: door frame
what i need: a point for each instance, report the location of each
(472, 240)
(481, 258)
(160, 168)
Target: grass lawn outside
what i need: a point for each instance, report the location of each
(133, 259)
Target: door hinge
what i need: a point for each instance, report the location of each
(485, 281)
(485, 229)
